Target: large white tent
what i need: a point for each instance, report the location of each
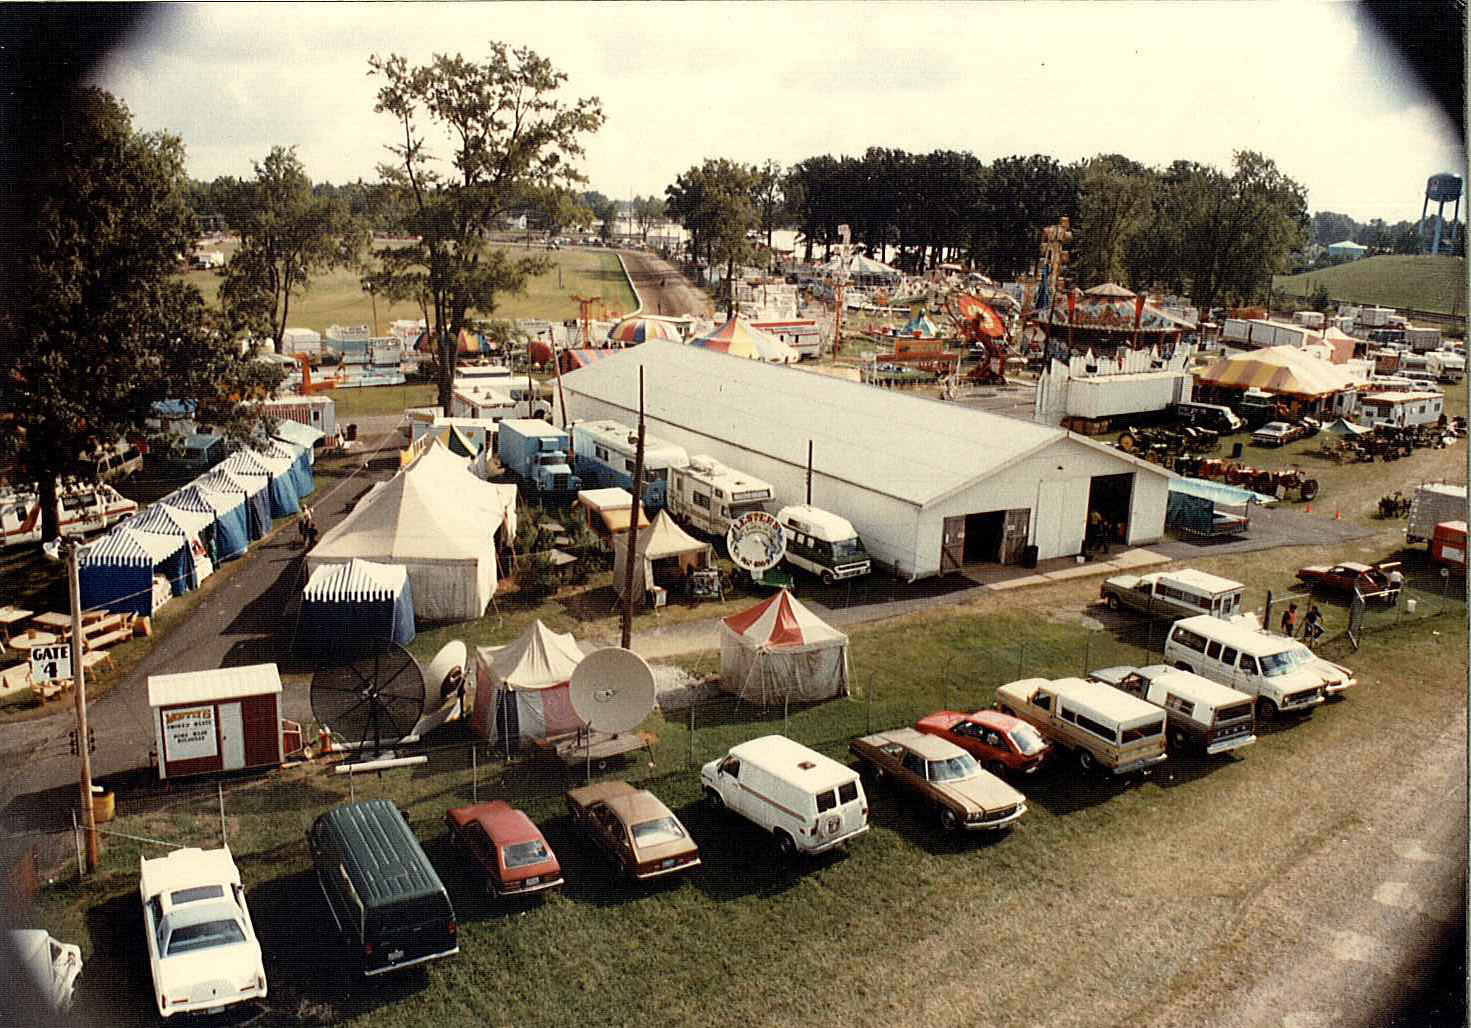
(662, 541)
(521, 688)
(436, 519)
(779, 651)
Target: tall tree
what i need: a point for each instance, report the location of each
(95, 323)
(648, 211)
(289, 233)
(768, 198)
(715, 202)
(512, 143)
(1113, 206)
(1018, 196)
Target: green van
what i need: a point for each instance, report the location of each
(384, 894)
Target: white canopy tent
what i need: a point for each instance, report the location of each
(779, 651)
(521, 688)
(662, 541)
(436, 519)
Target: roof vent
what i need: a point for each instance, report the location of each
(806, 765)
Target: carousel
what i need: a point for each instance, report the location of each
(1102, 319)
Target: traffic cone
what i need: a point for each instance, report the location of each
(1335, 515)
(1310, 508)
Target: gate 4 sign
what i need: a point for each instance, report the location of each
(756, 542)
(51, 663)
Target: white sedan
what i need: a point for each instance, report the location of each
(201, 943)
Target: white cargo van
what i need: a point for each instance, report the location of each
(811, 803)
(1281, 672)
(823, 543)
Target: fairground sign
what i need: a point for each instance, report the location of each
(755, 541)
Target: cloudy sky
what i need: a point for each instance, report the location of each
(1306, 83)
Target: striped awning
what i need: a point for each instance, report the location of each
(253, 462)
(166, 519)
(355, 581)
(223, 479)
(1277, 369)
(127, 545)
(198, 497)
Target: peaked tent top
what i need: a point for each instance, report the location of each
(782, 620)
(538, 659)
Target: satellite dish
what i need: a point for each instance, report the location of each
(612, 690)
(372, 701)
(444, 688)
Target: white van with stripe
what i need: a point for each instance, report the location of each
(809, 802)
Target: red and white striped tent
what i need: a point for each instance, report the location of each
(521, 688)
(779, 651)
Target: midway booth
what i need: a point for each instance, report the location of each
(253, 488)
(231, 534)
(228, 719)
(191, 525)
(132, 571)
(277, 472)
(347, 605)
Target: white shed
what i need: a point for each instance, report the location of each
(930, 486)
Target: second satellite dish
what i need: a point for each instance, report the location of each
(612, 690)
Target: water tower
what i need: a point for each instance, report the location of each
(1443, 189)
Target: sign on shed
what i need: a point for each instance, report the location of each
(221, 720)
(51, 663)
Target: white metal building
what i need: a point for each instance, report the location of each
(930, 486)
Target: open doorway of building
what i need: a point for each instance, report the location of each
(995, 536)
(1109, 496)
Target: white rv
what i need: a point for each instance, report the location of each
(605, 452)
(707, 495)
(80, 509)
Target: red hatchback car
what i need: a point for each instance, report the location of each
(999, 741)
(509, 848)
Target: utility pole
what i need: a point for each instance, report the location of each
(809, 472)
(89, 821)
(638, 506)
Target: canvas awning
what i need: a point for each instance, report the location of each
(663, 540)
(779, 650)
(231, 535)
(521, 689)
(1279, 370)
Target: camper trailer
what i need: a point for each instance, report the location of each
(81, 509)
(707, 495)
(481, 402)
(605, 452)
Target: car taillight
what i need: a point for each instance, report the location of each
(453, 928)
(163, 1002)
(367, 949)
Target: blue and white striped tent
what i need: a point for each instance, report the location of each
(347, 608)
(187, 524)
(301, 462)
(301, 435)
(282, 489)
(231, 532)
(116, 572)
(254, 487)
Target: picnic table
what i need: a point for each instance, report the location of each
(29, 639)
(11, 616)
(52, 620)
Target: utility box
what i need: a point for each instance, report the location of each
(223, 720)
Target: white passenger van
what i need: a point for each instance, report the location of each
(1175, 593)
(1281, 673)
(1200, 713)
(823, 543)
(811, 803)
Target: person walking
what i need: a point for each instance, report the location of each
(306, 527)
(1312, 624)
(1289, 620)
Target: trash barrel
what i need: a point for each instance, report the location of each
(1237, 449)
(352, 434)
(1029, 556)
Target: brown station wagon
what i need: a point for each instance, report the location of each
(635, 829)
(943, 776)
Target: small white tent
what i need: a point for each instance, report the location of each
(665, 550)
(436, 519)
(521, 688)
(780, 651)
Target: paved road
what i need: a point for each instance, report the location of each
(246, 619)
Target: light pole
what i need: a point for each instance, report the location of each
(53, 550)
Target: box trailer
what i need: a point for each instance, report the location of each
(1434, 503)
(228, 719)
(1448, 546)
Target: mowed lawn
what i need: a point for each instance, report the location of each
(338, 297)
(1430, 283)
(743, 939)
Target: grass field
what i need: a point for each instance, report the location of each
(1424, 283)
(338, 297)
(748, 935)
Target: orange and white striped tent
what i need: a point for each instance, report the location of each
(1283, 370)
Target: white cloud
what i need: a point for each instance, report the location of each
(1303, 83)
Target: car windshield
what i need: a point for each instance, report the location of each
(1275, 664)
(205, 935)
(521, 854)
(1028, 742)
(958, 767)
(659, 830)
(849, 548)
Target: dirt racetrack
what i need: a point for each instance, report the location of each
(661, 288)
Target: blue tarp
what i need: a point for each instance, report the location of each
(1219, 492)
(349, 608)
(116, 572)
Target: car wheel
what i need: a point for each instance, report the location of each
(1085, 760)
(1181, 665)
(827, 578)
(1267, 710)
(1179, 738)
(1113, 603)
(948, 821)
(786, 845)
(713, 798)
